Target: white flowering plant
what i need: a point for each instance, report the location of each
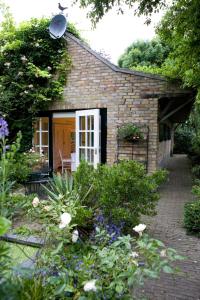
(94, 270)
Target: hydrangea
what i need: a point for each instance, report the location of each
(75, 236)
(3, 128)
(90, 286)
(139, 229)
(35, 202)
(65, 220)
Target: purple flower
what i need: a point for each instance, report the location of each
(3, 128)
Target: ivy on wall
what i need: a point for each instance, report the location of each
(33, 73)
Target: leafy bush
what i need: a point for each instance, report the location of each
(192, 216)
(62, 197)
(196, 171)
(183, 138)
(122, 192)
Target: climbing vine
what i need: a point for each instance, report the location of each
(33, 70)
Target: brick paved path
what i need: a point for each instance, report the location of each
(167, 226)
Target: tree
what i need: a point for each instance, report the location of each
(98, 8)
(180, 29)
(144, 53)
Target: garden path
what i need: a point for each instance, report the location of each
(167, 226)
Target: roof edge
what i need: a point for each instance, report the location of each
(109, 64)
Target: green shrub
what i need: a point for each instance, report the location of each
(122, 192)
(192, 216)
(196, 171)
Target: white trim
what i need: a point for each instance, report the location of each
(64, 115)
(96, 148)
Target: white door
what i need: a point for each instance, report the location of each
(88, 136)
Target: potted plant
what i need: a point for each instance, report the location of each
(130, 132)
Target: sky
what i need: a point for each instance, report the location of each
(112, 35)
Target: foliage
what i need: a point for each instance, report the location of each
(6, 162)
(180, 30)
(130, 132)
(33, 70)
(62, 197)
(4, 251)
(122, 192)
(196, 171)
(145, 54)
(113, 270)
(183, 138)
(17, 205)
(192, 216)
(99, 8)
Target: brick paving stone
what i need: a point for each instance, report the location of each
(167, 226)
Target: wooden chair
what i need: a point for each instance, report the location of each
(65, 163)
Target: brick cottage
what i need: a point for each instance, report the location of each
(99, 97)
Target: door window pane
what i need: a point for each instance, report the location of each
(92, 156)
(92, 139)
(89, 122)
(88, 155)
(92, 122)
(82, 123)
(82, 139)
(82, 154)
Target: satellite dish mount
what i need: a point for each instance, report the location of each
(58, 24)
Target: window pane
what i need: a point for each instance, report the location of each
(82, 138)
(37, 124)
(82, 123)
(88, 155)
(45, 152)
(92, 122)
(92, 139)
(92, 156)
(82, 154)
(36, 138)
(88, 139)
(44, 138)
(45, 123)
(88, 122)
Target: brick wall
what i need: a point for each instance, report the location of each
(93, 83)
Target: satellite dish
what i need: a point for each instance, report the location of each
(57, 26)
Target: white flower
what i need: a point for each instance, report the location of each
(47, 208)
(7, 64)
(134, 254)
(25, 92)
(65, 220)
(30, 86)
(35, 202)
(49, 68)
(23, 58)
(139, 228)
(90, 286)
(163, 253)
(20, 73)
(75, 236)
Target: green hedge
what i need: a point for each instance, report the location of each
(192, 216)
(122, 192)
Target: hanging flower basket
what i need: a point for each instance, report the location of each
(130, 133)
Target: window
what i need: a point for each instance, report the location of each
(41, 138)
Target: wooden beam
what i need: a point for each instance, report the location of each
(162, 113)
(175, 110)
